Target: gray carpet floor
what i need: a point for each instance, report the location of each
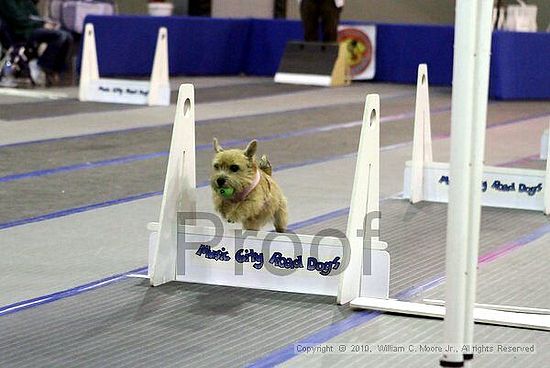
(187, 325)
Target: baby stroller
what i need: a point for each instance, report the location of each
(14, 68)
(14, 61)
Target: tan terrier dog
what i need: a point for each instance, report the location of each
(244, 191)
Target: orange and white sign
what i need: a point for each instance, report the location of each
(361, 45)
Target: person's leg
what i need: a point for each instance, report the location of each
(6, 40)
(58, 43)
(330, 17)
(309, 11)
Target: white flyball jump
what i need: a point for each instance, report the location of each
(180, 250)
(155, 92)
(426, 180)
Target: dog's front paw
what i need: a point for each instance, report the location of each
(230, 219)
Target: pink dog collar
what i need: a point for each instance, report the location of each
(247, 191)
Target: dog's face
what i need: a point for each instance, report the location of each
(233, 168)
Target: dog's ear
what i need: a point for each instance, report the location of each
(217, 146)
(250, 150)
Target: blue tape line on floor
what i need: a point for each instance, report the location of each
(17, 307)
(132, 198)
(286, 353)
(83, 166)
(201, 147)
(198, 122)
(72, 211)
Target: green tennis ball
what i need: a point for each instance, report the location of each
(226, 192)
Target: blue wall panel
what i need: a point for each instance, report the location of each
(520, 64)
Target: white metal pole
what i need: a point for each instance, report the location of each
(460, 178)
(547, 178)
(481, 87)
